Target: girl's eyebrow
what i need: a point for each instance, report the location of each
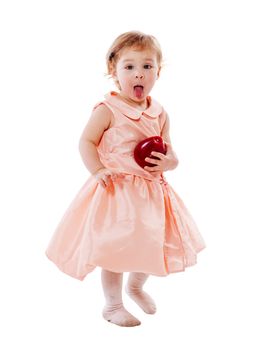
(145, 59)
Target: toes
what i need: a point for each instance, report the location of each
(151, 310)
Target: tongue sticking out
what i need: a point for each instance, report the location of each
(138, 91)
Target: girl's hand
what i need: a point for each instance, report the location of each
(165, 162)
(104, 176)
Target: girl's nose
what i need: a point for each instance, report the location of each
(139, 75)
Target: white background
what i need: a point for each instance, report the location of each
(217, 88)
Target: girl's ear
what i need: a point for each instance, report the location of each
(158, 73)
(113, 70)
(113, 73)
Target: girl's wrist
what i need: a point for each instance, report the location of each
(174, 164)
(94, 173)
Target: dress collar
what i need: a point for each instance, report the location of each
(153, 111)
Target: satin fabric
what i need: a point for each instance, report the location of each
(137, 223)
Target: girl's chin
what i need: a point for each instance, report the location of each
(139, 99)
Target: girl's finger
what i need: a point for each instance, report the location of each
(157, 154)
(149, 160)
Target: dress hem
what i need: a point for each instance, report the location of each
(81, 278)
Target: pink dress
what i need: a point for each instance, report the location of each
(138, 223)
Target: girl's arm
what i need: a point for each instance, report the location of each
(90, 156)
(91, 136)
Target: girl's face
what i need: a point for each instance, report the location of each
(136, 67)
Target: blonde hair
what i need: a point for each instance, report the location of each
(132, 39)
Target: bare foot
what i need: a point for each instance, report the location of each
(118, 315)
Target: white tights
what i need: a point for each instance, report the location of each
(114, 310)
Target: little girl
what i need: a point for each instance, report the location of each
(126, 218)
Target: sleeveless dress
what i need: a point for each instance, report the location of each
(138, 223)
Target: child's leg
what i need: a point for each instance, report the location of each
(134, 290)
(114, 310)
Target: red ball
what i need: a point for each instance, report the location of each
(145, 147)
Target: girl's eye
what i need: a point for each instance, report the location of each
(129, 66)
